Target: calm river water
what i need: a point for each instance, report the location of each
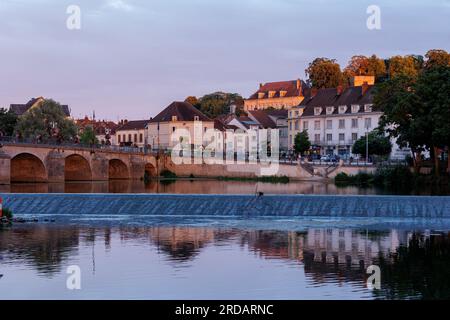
(198, 262)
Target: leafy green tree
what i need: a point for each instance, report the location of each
(365, 66)
(324, 73)
(379, 144)
(8, 120)
(46, 122)
(301, 142)
(88, 136)
(218, 103)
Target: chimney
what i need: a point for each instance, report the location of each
(339, 90)
(364, 87)
(299, 88)
(261, 85)
(313, 92)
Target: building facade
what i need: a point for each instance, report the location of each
(335, 118)
(277, 95)
(132, 134)
(177, 116)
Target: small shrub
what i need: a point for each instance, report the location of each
(7, 213)
(168, 174)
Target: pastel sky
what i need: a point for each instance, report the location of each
(131, 58)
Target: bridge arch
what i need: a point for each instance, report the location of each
(26, 167)
(150, 170)
(77, 168)
(117, 169)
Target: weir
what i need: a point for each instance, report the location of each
(229, 205)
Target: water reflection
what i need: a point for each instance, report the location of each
(414, 264)
(185, 186)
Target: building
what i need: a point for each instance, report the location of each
(105, 131)
(132, 133)
(277, 95)
(20, 109)
(273, 119)
(178, 115)
(336, 117)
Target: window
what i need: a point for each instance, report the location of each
(290, 125)
(317, 125)
(296, 125)
(341, 137)
(261, 95)
(305, 125)
(129, 137)
(296, 113)
(141, 137)
(271, 94)
(317, 111)
(367, 108)
(355, 123)
(368, 123)
(355, 108)
(354, 137)
(342, 109)
(329, 124)
(290, 114)
(317, 137)
(329, 137)
(290, 139)
(174, 118)
(173, 129)
(342, 124)
(118, 138)
(330, 110)
(124, 138)
(196, 118)
(135, 137)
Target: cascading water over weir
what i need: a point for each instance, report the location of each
(229, 205)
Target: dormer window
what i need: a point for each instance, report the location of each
(196, 118)
(261, 95)
(355, 108)
(330, 110)
(283, 93)
(342, 109)
(368, 108)
(317, 111)
(271, 94)
(174, 118)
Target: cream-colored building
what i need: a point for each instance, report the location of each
(132, 134)
(277, 95)
(166, 129)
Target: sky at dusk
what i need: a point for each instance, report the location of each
(132, 58)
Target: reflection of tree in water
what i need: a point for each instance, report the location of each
(44, 247)
(419, 270)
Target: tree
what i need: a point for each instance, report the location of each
(218, 103)
(433, 90)
(301, 142)
(192, 100)
(376, 67)
(8, 120)
(88, 136)
(363, 66)
(324, 73)
(46, 122)
(437, 57)
(406, 66)
(416, 111)
(378, 143)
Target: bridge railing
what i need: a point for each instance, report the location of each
(52, 144)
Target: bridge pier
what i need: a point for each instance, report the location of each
(99, 167)
(55, 163)
(5, 168)
(137, 167)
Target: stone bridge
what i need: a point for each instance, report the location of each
(43, 163)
